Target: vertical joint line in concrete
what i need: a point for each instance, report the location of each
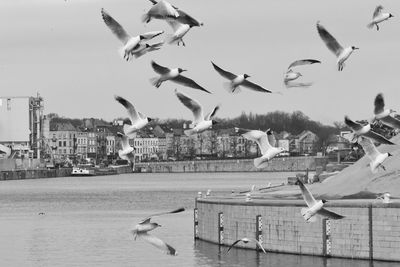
(196, 223)
(259, 226)
(371, 240)
(220, 228)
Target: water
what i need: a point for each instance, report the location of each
(86, 222)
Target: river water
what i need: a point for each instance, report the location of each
(86, 221)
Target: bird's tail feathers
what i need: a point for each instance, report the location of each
(260, 162)
(122, 53)
(155, 81)
(370, 25)
(228, 86)
(189, 132)
(171, 39)
(305, 216)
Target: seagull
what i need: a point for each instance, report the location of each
(291, 75)
(173, 75)
(378, 17)
(365, 130)
(166, 11)
(137, 119)
(373, 154)
(247, 240)
(180, 30)
(237, 80)
(383, 114)
(5, 150)
(142, 228)
(145, 48)
(261, 138)
(341, 53)
(200, 122)
(126, 152)
(131, 43)
(314, 206)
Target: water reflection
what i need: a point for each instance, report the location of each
(208, 254)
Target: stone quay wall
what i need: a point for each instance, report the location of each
(237, 165)
(34, 174)
(370, 230)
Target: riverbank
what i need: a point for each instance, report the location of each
(289, 164)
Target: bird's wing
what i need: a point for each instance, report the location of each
(256, 87)
(329, 214)
(211, 114)
(134, 116)
(115, 27)
(303, 62)
(233, 244)
(158, 243)
(151, 35)
(377, 11)
(154, 2)
(162, 213)
(307, 196)
(174, 24)
(391, 121)
(164, 10)
(271, 137)
(355, 126)
(379, 104)
(185, 18)
(369, 148)
(290, 84)
(329, 40)
(159, 69)
(188, 82)
(124, 140)
(224, 73)
(258, 243)
(193, 105)
(259, 137)
(378, 138)
(141, 115)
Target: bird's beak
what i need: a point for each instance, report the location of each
(356, 48)
(183, 70)
(149, 119)
(390, 155)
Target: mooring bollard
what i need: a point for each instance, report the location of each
(220, 228)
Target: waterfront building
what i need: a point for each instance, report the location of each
(63, 140)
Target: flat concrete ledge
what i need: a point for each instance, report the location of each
(370, 229)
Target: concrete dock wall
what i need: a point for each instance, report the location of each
(34, 174)
(239, 165)
(370, 230)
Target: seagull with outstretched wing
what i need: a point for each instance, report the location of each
(247, 240)
(378, 17)
(127, 152)
(291, 75)
(376, 158)
(384, 115)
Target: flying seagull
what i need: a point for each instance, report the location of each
(173, 75)
(180, 30)
(314, 206)
(376, 158)
(145, 48)
(200, 122)
(5, 150)
(166, 11)
(131, 43)
(378, 17)
(136, 119)
(341, 53)
(126, 152)
(237, 80)
(365, 130)
(383, 114)
(142, 228)
(261, 138)
(291, 75)
(247, 240)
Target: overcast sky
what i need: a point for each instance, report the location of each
(64, 51)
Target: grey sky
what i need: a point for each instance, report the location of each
(63, 50)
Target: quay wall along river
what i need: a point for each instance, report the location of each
(234, 165)
(370, 230)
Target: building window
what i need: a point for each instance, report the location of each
(65, 143)
(59, 143)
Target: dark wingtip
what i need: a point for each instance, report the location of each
(178, 210)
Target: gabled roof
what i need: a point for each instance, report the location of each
(62, 126)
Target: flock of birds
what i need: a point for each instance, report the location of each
(181, 22)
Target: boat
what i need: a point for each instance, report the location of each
(79, 171)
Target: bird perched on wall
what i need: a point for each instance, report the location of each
(131, 43)
(342, 54)
(291, 75)
(376, 158)
(127, 152)
(365, 130)
(142, 228)
(247, 240)
(378, 17)
(314, 207)
(384, 115)
(200, 122)
(239, 80)
(261, 138)
(136, 119)
(173, 75)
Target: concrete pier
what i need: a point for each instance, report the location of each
(370, 230)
